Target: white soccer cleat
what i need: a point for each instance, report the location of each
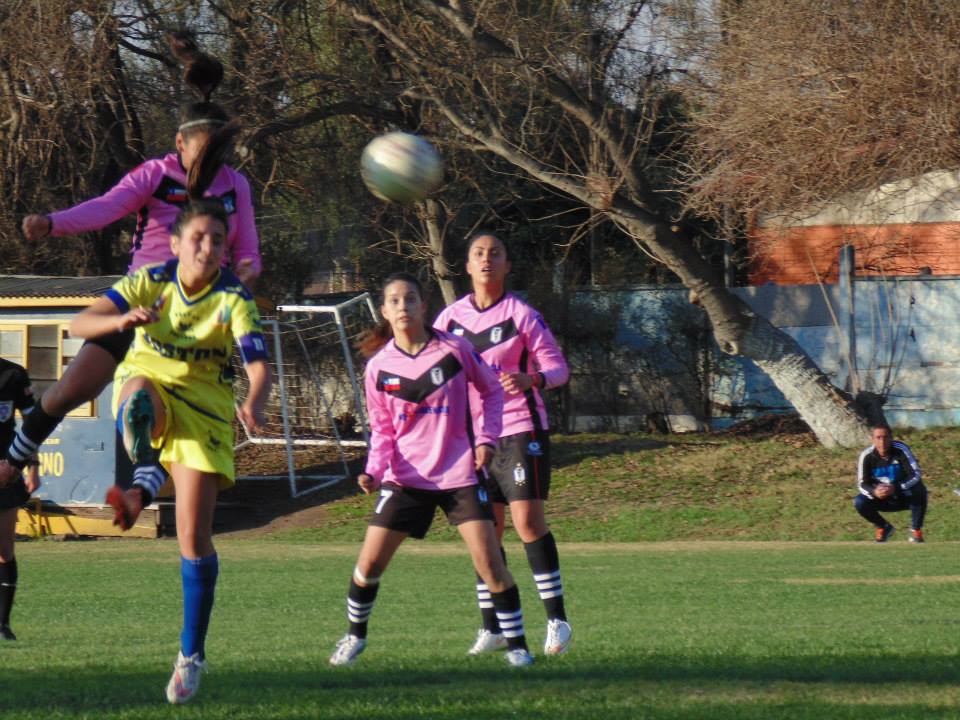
(519, 658)
(487, 642)
(558, 637)
(185, 680)
(348, 648)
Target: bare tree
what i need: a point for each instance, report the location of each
(569, 94)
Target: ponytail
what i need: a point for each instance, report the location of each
(373, 340)
(202, 72)
(210, 159)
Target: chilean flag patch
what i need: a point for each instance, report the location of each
(391, 384)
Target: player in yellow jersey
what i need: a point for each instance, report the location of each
(173, 393)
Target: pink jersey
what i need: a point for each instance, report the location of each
(417, 405)
(156, 191)
(511, 337)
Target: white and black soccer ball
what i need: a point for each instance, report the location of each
(401, 167)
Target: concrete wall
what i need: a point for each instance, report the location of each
(653, 353)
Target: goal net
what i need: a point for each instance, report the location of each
(315, 417)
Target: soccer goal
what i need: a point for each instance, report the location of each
(315, 415)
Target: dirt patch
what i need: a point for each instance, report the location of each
(264, 505)
(784, 427)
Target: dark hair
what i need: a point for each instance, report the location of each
(203, 73)
(374, 339)
(210, 207)
(881, 426)
(486, 233)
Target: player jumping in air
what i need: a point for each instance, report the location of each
(156, 191)
(173, 393)
(422, 457)
(515, 341)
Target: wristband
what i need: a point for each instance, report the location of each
(49, 226)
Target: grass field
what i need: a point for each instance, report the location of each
(726, 616)
(662, 630)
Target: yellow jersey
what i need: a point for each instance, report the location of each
(188, 350)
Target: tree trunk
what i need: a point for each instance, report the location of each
(833, 417)
(435, 235)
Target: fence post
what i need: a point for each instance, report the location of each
(847, 320)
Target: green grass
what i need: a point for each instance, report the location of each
(670, 630)
(629, 488)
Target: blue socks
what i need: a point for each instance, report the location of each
(199, 582)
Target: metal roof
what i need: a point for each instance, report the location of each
(40, 286)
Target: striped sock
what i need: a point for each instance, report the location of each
(545, 562)
(33, 431)
(360, 602)
(149, 478)
(510, 617)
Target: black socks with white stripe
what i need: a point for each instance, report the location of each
(359, 606)
(545, 562)
(34, 430)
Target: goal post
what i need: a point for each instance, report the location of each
(315, 413)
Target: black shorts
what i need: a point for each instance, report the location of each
(520, 469)
(14, 494)
(116, 343)
(411, 510)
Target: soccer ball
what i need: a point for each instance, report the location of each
(401, 167)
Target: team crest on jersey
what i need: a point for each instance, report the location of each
(436, 375)
(496, 334)
(223, 317)
(458, 331)
(534, 449)
(228, 204)
(6, 410)
(391, 384)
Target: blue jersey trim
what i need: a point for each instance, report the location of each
(119, 300)
(253, 347)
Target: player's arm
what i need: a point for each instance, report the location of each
(485, 381)
(105, 317)
(245, 253)
(31, 476)
(126, 197)
(250, 411)
(383, 438)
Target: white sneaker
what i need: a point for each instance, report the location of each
(487, 642)
(348, 647)
(519, 658)
(185, 680)
(558, 637)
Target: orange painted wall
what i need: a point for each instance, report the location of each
(797, 255)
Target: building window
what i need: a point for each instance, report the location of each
(44, 350)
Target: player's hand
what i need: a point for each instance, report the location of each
(484, 456)
(36, 227)
(31, 478)
(368, 483)
(515, 383)
(246, 271)
(136, 317)
(252, 417)
(883, 491)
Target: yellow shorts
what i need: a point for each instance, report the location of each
(191, 438)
